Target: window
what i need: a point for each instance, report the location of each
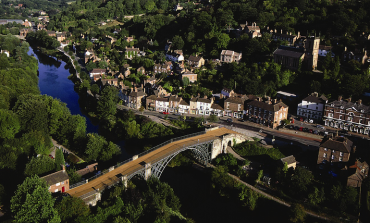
(341, 111)
(340, 117)
(330, 115)
(325, 155)
(341, 154)
(317, 108)
(332, 157)
(56, 190)
(340, 159)
(325, 149)
(57, 184)
(360, 121)
(62, 182)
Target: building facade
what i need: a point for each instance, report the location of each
(347, 115)
(312, 106)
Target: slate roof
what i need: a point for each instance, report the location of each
(152, 97)
(163, 99)
(351, 105)
(97, 71)
(289, 159)
(183, 102)
(267, 107)
(193, 58)
(174, 98)
(56, 177)
(289, 52)
(314, 99)
(137, 94)
(204, 100)
(217, 106)
(236, 100)
(341, 144)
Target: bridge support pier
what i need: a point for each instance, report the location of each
(124, 181)
(148, 171)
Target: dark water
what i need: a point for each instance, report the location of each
(53, 81)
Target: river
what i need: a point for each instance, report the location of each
(53, 81)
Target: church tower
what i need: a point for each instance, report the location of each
(311, 48)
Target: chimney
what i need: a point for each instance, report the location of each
(267, 28)
(246, 23)
(345, 48)
(287, 32)
(315, 94)
(63, 168)
(290, 33)
(205, 97)
(275, 101)
(349, 99)
(359, 101)
(142, 85)
(275, 31)
(339, 97)
(132, 89)
(259, 99)
(281, 31)
(299, 34)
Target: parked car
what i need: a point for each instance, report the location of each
(305, 129)
(165, 113)
(320, 127)
(316, 132)
(296, 127)
(290, 126)
(229, 120)
(51, 156)
(300, 129)
(310, 131)
(310, 121)
(242, 120)
(178, 114)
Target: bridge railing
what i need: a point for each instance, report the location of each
(170, 141)
(139, 155)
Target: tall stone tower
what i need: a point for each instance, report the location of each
(311, 48)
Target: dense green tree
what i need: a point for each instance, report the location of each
(177, 43)
(107, 102)
(9, 124)
(301, 179)
(248, 197)
(72, 209)
(32, 202)
(297, 213)
(59, 159)
(39, 166)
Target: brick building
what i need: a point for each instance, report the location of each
(347, 115)
(234, 106)
(268, 112)
(58, 181)
(335, 150)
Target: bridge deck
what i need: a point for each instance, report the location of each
(128, 168)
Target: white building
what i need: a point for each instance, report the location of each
(162, 104)
(184, 107)
(312, 106)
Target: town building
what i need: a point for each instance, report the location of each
(201, 106)
(357, 173)
(184, 107)
(195, 61)
(312, 106)
(347, 115)
(234, 106)
(131, 52)
(335, 151)
(226, 92)
(190, 75)
(269, 112)
(324, 50)
(229, 56)
(357, 54)
(162, 104)
(58, 181)
(136, 98)
(174, 103)
(217, 110)
(293, 58)
(288, 36)
(27, 23)
(97, 71)
(290, 161)
(151, 102)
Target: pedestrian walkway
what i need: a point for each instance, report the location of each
(64, 149)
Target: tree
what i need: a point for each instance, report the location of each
(297, 213)
(71, 209)
(185, 81)
(95, 89)
(301, 179)
(177, 42)
(260, 175)
(317, 196)
(213, 118)
(107, 104)
(59, 159)
(32, 202)
(141, 109)
(9, 124)
(39, 165)
(249, 197)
